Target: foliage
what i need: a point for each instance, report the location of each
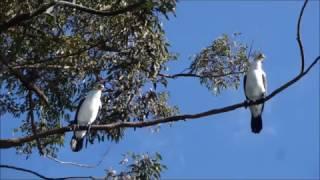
(225, 56)
(142, 167)
(64, 51)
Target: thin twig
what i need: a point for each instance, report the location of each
(249, 53)
(298, 36)
(80, 164)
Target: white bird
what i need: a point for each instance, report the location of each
(255, 87)
(86, 114)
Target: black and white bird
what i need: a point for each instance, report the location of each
(255, 87)
(86, 114)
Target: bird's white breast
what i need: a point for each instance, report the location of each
(254, 84)
(89, 109)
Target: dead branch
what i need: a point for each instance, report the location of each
(80, 164)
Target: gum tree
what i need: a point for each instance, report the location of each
(53, 51)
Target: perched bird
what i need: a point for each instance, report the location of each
(255, 87)
(86, 114)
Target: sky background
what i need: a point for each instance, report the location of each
(220, 146)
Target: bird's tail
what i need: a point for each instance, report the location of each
(256, 124)
(76, 144)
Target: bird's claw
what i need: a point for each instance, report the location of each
(246, 104)
(88, 133)
(75, 127)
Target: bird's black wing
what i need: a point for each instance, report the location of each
(75, 121)
(244, 86)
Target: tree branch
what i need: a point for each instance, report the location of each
(24, 170)
(99, 12)
(298, 36)
(29, 85)
(79, 164)
(173, 76)
(33, 125)
(8, 143)
(18, 19)
(42, 176)
(44, 63)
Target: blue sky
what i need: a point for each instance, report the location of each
(221, 146)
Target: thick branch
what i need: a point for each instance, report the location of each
(99, 12)
(18, 19)
(298, 36)
(42, 176)
(8, 143)
(29, 85)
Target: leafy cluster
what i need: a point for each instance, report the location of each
(139, 166)
(221, 64)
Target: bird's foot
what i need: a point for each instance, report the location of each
(89, 132)
(89, 128)
(246, 104)
(75, 127)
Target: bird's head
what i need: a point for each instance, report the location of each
(259, 57)
(98, 86)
